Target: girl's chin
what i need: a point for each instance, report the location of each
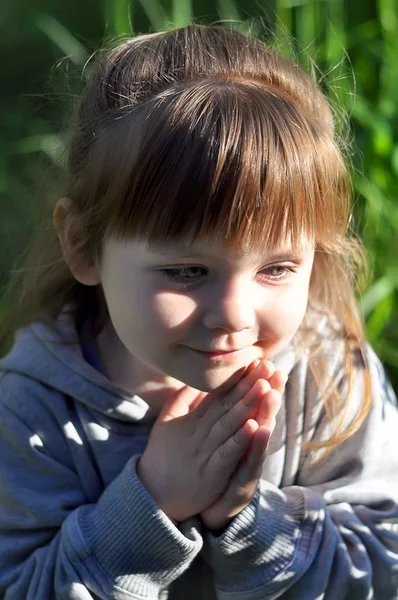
(216, 382)
(219, 373)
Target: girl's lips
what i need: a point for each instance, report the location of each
(222, 356)
(216, 352)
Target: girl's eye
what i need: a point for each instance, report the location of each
(277, 272)
(184, 274)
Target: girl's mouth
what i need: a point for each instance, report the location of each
(228, 356)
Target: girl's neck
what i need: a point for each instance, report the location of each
(126, 371)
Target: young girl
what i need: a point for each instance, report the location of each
(190, 408)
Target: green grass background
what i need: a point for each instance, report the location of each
(45, 43)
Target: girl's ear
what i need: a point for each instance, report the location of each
(73, 242)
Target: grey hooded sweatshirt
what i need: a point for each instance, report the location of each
(77, 524)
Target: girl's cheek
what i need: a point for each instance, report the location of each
(173, 309)
(294, 310)
(285, 314)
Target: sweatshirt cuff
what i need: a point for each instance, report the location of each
(261, 542)
(131, 539)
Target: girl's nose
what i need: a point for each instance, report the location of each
(231, 308)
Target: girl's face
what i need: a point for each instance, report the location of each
(199, 312)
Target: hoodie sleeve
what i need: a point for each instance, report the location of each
(334, 535)
(56, 546)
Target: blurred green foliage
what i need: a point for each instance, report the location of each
(45, 43)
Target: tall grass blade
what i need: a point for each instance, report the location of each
(62, 38)
(228, 10)
(119, 17)
(389, 64)
(283, 26)
(308, 28)
(157, 16)
(335, 33)
(182, 13)
(51, 144)
(376, 293)
(380, 318)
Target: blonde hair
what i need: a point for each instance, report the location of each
(205, 130)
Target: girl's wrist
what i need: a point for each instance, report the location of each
(218, 530)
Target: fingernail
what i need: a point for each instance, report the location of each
(256, 363)
(267, 364)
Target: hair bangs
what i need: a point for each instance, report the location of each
(229, 160)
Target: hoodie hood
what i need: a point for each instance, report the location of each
(41, 353)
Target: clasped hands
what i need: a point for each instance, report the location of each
(205, 452)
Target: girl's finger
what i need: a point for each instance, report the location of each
(278, 381)
(264, 370)
(252, 467)
(230, 422)
(212, 408)
(198, 400)
(268, 409)
(252, 366)
(244, 482)
(242, 485)
(228, 455)
(180, 404)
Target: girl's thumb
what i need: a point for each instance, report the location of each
(180, 404)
